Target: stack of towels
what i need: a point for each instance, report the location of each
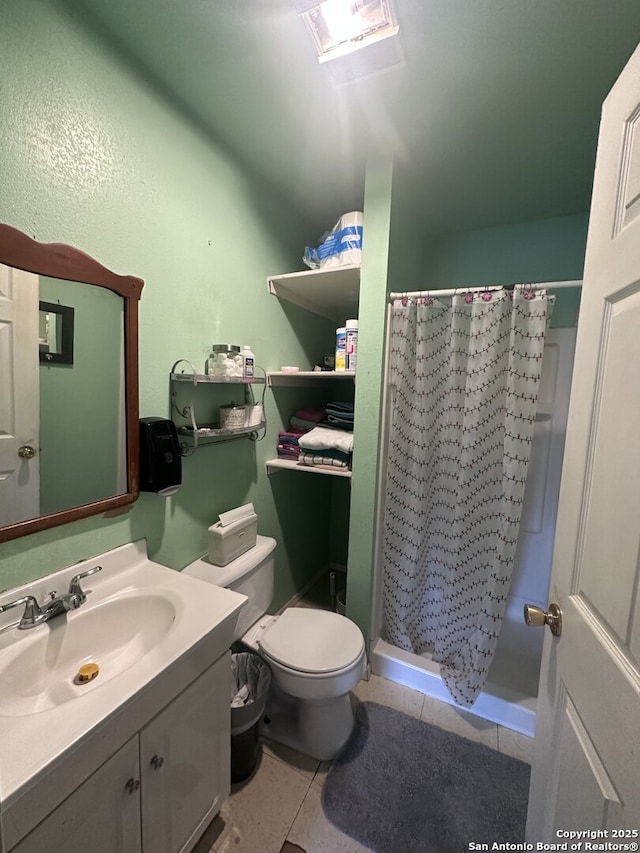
(340, 415)
(326, 446)
(320, 437)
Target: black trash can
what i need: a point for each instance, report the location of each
(250, 682)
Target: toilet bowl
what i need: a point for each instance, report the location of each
(316, 656)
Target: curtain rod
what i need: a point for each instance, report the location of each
(452, 291)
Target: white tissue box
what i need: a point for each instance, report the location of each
(229, 541)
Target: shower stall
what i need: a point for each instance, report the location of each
(509, 694)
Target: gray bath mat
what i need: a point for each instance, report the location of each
(404, 786)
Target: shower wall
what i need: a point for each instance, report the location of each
(517, 659)
(509, 696)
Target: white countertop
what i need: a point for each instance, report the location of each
(33, 746)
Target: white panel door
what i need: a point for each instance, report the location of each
(586, 769)
(19, 395)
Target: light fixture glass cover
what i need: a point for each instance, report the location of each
(339, 27)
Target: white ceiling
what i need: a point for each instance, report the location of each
(493, 113)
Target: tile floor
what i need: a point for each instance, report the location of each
(278, 809)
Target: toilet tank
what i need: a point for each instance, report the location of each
(250, 574)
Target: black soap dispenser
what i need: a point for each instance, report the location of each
(160, 459)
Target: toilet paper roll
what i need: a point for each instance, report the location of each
(253, 415)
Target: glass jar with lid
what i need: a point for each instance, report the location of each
(225, 361)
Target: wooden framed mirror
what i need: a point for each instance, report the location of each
(68, 430)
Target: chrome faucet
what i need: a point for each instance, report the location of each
(34, 614)
(75, 590)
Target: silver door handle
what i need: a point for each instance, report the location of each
(535, 617)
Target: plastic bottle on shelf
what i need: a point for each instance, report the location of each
(341, 353)
(254, 415)
(351, 344)
(248, 362)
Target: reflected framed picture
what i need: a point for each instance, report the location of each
(55, 333)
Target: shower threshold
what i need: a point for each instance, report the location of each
(497, 703)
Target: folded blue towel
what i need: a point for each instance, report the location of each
(345, 408)
(337, 423)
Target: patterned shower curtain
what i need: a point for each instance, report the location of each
(465, 375)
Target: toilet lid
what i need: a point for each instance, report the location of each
(310, 640)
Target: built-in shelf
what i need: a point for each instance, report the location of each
(273, 465)
(308, 377)
(332, 293)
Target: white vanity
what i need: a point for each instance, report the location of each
(137, 759)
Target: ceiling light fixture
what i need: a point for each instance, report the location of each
(338, 27)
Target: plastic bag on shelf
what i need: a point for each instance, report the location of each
(340, 246)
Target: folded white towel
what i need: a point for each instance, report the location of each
(322, 438)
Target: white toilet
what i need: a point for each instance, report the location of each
(316, 657)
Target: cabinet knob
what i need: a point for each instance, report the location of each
(156, 762)
(132, 785)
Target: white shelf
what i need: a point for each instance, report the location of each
(331, 293)
(273, 465)
(308, 377)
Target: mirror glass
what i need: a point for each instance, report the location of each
(68, 375)
(81, 410)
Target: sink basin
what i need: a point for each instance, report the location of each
(38, 671)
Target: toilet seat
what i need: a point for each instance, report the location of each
(313, 641)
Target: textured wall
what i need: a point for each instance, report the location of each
(545, 250)
(94, 156)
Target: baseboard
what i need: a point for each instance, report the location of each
(305, 589)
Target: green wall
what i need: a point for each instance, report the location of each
(92, 155)
(371, 322)
(546, 250)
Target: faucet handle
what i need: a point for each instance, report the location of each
(32, 614)
(76, 589)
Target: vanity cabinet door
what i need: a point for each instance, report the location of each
(185, 763)
(101, 816)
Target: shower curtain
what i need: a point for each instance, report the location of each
(465, 375)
